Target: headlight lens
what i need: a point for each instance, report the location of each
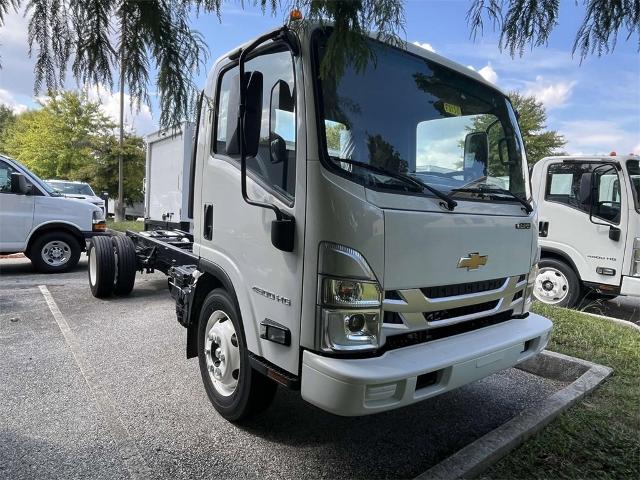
(350, 330)
(635, 258)
(353, 293)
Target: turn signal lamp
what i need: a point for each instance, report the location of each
(295, 15)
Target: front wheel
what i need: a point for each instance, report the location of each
(556, 283)
(55, 252)
(235, 389)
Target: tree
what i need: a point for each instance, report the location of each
(70, 138)
(7, 118)
(539, 141)
(530, 22)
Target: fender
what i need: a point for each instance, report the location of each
(213, 277)
(552, 252)
(56, 225)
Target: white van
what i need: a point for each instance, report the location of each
(47, 227)
(589, 227)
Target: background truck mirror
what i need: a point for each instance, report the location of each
(19, 184)
(476, 151)
(252, 115)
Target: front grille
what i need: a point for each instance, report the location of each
(443, 291)
(422, 336)
(460, 311)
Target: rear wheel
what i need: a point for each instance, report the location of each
(235, 389)
(125, 264)
(55, 252)
(556, 283)
(102, 266)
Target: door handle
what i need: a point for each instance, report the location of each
(543, 229)
(207, 226)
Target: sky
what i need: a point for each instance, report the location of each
(595, 105)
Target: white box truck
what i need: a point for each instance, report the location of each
(167, 178)
(589, 227)
(368, 240)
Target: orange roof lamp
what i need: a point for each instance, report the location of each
(613, 154)
(295, 15)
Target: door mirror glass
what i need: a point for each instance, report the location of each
(476, 153)
(19, 184)
(281, 120)
(252, 115)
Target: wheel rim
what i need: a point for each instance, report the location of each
(222, 353)
(56, 253)
(552, 286)
(92, 266)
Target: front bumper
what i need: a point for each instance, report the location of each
(353, 387)
(630, 286)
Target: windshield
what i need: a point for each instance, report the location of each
(415, 117)
(633, 166)
(71, 188)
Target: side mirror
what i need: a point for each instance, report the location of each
(586, 190)
(476, 151)
(278, 149)
(252, 115)
(19, 184)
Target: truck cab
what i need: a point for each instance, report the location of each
(366, 237)
(40, 222)
(589, 227)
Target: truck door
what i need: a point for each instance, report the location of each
(236, 235)
(16, 213)
(591, 241)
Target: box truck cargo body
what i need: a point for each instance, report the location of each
(167, 178)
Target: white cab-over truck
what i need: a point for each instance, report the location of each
(40, 222)
(367, 239)
(589, 227)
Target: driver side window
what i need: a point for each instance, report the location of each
(275, 161)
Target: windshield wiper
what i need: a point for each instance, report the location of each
(450, 203)
(489, 189)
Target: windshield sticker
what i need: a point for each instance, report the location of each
(452, 109)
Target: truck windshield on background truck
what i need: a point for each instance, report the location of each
(367, 239)
(589, 212)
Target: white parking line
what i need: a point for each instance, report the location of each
(127, 448)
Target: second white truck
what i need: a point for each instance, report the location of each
(589, 227)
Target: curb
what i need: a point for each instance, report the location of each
(488, 449)
(614, 320)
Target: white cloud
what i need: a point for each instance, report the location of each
(487, 72)
(636, 149)
(597, 137)
(142, 120)
(426, 46)
(9, 100)
(550, 94)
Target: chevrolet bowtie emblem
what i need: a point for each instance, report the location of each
(473, 261)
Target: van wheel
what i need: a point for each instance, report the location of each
(125, 264)
(55, 252)
(102, 266)
(235, 389)
(556, 283)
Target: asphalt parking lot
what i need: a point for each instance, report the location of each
(101, 389)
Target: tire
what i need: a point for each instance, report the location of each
(102, 266)
(54, 252)
(222, 346)
(556, 284)
(125, 263)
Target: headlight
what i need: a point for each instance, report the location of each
(635, 258)
(339, 292)
(349, 301)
